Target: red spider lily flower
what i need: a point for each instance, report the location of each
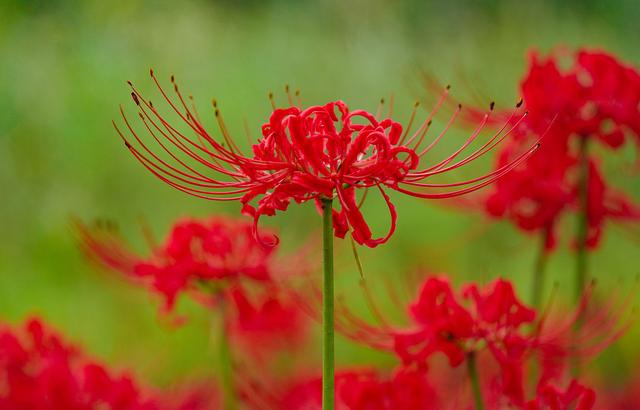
(359, 390)
(576, 396)
(39, 371)
(533, 196)
(596, 98)
(444, 325)
(603, 203)
(215, 261)
(320, 152)
(492, 325)
(212, 253)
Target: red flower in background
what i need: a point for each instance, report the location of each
(316, 153)
(214, 253)
(355, 390)
(492, 322)
(38, 371)
(491, 326)
(596, 98)
(216, 261)
(576, 396)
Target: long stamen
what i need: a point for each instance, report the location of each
(272, 101)
(379, 110)
(288, 92)
(410, 123)
(392, 99)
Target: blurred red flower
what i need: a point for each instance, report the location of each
(576, 396)
(221, 265)
(38, 371)
(356, 390)
(492, 322)
(215, 253)
(316, 153)
(596, 98)
(491, 326)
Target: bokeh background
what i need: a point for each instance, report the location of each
(63, 67)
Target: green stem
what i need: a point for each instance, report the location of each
(328, 352)
(582, 223)
(475, 381)
(539, 271)
(581, 238)
(226, 364)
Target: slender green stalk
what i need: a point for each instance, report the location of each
(328, 353)
(581, 238)
(226, 364)
(582, 221)
(475, 381)
(539, 274)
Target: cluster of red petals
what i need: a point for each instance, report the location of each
(493, 322)
(38, 371)
(576, 396)
(597, 98)
(493, 327)
(318, 153)
(216, 261)
(214, 253)
(364, 390)
(408, 389)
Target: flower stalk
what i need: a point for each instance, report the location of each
(472, 370)
(328, 352)
(582, 220)
(539, 271)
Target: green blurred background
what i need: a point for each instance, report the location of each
(63, 67)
